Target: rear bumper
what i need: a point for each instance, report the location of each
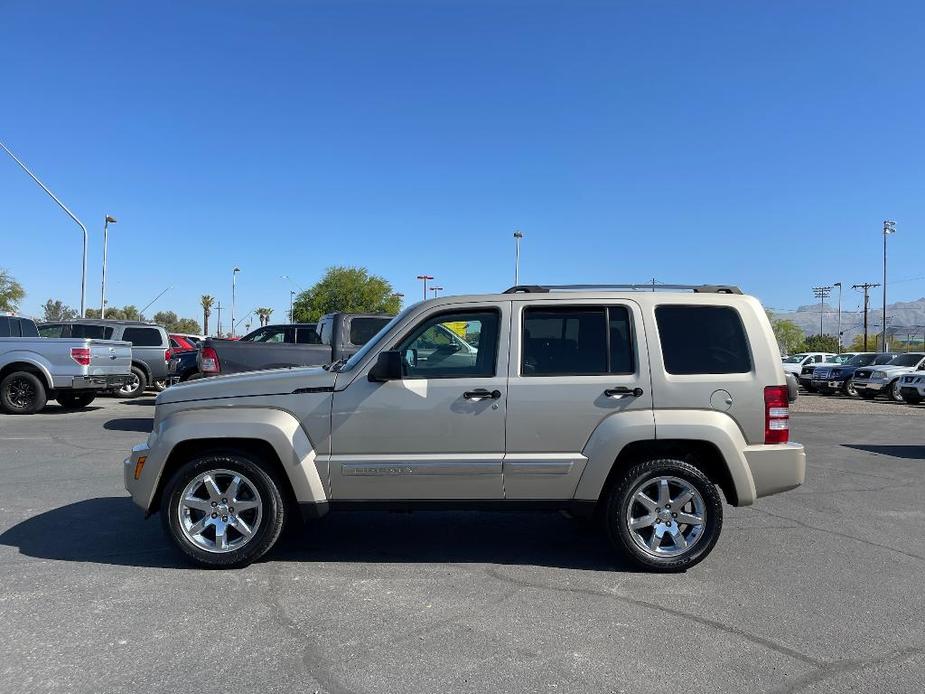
(776, 468)
(107, 382)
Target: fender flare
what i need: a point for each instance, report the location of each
(32, 359)
(614, 433)
(278, 428)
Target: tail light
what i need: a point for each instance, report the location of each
(208, 361)
(167, 354)
(81, 355)
(776, 415)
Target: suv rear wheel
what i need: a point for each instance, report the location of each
(136, 386)
(223, 510)
(22, 392)
(665, 514)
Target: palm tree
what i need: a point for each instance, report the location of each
(264, 315)
(206, 301)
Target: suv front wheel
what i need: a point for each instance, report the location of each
(665, 514)
(223, 510)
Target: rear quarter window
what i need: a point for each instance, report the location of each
(702, 340)
(143, 337)
(363, 329)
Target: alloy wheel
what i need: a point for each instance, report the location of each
(220, 511)
(131, 386)
(666, 516)
(21, 393)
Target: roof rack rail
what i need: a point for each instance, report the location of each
(696, 288)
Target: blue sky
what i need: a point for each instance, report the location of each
(753, 143)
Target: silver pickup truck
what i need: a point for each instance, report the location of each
(35, 369)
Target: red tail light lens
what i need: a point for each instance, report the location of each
(81, 355)
(208, 361)
(776, 414)
(167, 354)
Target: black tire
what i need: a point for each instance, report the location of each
(70, 400)
(912, 399)
(22, 392)
(271, 504)
(159, 385)
(138, 387)
(619, 504)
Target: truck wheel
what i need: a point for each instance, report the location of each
(895, 392)
(75, 401)
(848, 389)
(223, 510)
(136, 386)
(913, 398)
(160, 385)
(665, 514)
(22, 392)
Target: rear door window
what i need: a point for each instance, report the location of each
(143, 337)
(27, 328)
(307, 336)
(363, 329)
(5, 324)
(702, 340)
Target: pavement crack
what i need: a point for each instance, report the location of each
(839, 667)
(704, 621)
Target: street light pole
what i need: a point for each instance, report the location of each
(838, 284)
(424, 279)
(291, 295)
(518, 235)
(83, 276)
(889, 227)
(435, 290)
(109, 220)
(234, 276)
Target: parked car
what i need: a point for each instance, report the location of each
(828, 378)
(150, 345)
(181, 343)
(336, 337)
(795, 363)
(805, 376)
(872, 381)
(182, 367)
(556, 406)
(912, 388)
(34, 369)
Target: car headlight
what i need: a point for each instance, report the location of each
(878, 374)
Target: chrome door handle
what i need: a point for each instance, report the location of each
(481, 394)
(622, 392)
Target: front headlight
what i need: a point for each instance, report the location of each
(878, 374)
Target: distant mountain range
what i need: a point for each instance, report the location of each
(904, 318)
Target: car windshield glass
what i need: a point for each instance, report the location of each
(795, 359)
(907, 359)
(373, 341)
(861, 360)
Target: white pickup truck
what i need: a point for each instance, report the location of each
(72, 371)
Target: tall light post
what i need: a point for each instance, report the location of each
(424, 279)
(234, 276)
(291, 297)
(83, 275)
(838, 284)
(821, 293)
(109, 220)
(889, 227)
(435, 290)
(518, 235)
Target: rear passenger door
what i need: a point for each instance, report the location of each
(572, 366)
(148, 345)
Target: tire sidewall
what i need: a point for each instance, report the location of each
(273, 510)
(38, 402)
(620, 499)
(142, 384)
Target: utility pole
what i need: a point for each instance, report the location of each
(518, 235)
(218, 330)
(889, 227)
(838, 284)
(821, 293)
(867, 286)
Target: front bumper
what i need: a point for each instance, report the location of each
(776, 468)
(870, 386)
(834, 385)
(104, 382)
(140, 488)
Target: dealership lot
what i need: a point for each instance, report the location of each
(818, 589)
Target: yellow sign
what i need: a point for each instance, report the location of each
(458, 327)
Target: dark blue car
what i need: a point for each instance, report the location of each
(828, 379)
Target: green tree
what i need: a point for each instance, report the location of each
(263, 314)
(820, 343)
(789, 335)
(206, 301)
(55, 310)
(174, 324)
(349, 289)
(186, 326)
(11, 292)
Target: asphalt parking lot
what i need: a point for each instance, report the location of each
(820, 589)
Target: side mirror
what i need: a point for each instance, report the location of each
(388, 367)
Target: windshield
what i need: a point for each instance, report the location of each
(795, 359)
(373, 341)
(862, 360)
(907, 359)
